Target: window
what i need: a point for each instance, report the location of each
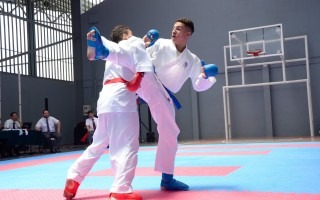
(36, 38)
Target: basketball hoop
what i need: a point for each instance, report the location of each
(254, 52)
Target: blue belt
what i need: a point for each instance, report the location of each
(174, 99)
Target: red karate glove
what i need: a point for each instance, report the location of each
(134, 84)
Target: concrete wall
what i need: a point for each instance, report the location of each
(256, 112)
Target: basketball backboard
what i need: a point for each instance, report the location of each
(264, 41)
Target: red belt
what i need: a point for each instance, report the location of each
(115, 80)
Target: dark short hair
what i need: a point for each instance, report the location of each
(117, 33)
(44, 110)
(187, 22)
(11, 114)
(90, 111)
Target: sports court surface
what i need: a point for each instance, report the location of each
(246, 170)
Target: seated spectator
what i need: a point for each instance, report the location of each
(13, 122)
(91, 124)
(50, 128)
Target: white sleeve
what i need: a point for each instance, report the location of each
(18, 125)
(55, 121)
(118, 54)
(113, 50)
(198, 82)
(6, 124)
(154, 48)
(38, 124)
(129, 54)
(87, 122)
(141, 59)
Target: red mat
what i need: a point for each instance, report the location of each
(156, 195)
(39, 161)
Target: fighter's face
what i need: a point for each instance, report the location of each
(180, 34)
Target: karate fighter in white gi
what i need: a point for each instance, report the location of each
(118, 122)
(173, 64)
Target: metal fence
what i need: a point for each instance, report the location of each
(36, 38)
(88, 4)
